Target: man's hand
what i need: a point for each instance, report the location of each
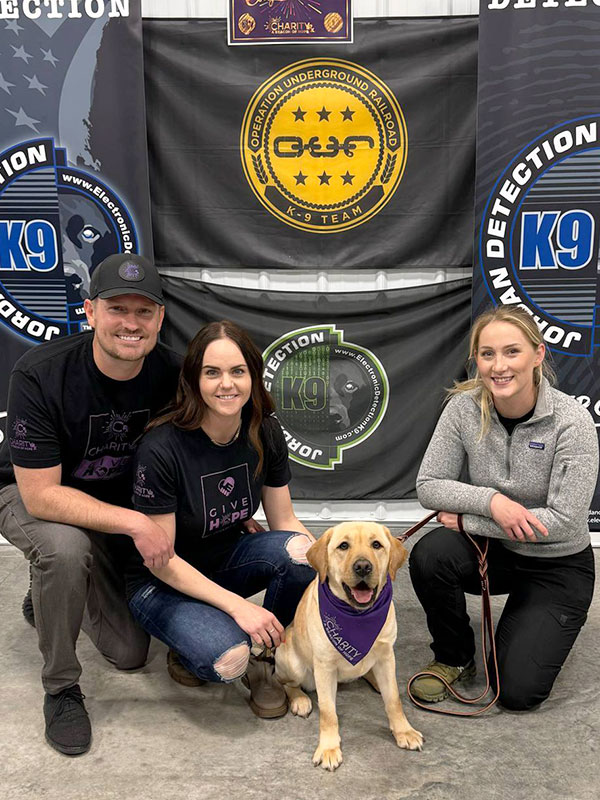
(153, 543)
(516, 521)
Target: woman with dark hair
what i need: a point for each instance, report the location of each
(514, 460)
(201, 471)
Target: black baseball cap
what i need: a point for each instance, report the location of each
(126, 273)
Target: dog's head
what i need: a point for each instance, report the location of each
(87, 238)
(357, 557)
(348, 393)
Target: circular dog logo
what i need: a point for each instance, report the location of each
(538, 241)
(324, 145)
(330, 394)
(57, 223)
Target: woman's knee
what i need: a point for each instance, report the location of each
(232, 663)
(523, 685)
(435, 552)
(521, 697)
(297, 547)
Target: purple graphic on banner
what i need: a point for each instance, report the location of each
(290, 21)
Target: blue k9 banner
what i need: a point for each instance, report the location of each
(73, 164)
(538, 181)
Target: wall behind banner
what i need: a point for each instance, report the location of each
(399, 512)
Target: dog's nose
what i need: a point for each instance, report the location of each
(362, 567)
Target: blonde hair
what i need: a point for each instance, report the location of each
(522, 320)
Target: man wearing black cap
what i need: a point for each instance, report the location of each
(77, 406)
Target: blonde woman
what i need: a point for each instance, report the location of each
(515, 460)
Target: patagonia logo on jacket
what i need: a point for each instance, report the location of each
(537, 445)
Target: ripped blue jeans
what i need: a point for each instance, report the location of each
(201, 633)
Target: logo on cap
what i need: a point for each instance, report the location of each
(131, 272)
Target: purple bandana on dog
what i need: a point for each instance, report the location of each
(351, 631)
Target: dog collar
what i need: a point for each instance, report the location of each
(351, 631)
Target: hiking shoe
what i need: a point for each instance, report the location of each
(179, 673)
(268, 699)
(27, 607)
(432, 690)
(68, 727)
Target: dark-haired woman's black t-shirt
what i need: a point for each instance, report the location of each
(211, 489)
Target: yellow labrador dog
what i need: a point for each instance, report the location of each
(345, 628)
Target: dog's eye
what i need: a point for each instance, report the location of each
(376, 545)
(343, 546)
(350, 387)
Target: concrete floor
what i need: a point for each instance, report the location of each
(154, 739)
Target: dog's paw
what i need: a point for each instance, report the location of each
(301, 706)
(328, 758)
(409, 739)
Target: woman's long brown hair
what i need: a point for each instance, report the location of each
(188, 409)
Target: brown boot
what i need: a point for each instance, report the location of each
(267, 696)
(179, 673)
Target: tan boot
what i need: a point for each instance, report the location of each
(267, 696)
(432, 690)
(179, 673)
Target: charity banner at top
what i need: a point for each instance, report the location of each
(289, 21)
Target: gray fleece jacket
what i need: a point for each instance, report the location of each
(549, 465)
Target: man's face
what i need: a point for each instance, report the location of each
(125, 327)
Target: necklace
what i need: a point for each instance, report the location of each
(231, 441)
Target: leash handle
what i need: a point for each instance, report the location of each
(487, 633)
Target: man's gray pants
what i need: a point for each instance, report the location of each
(77, 583)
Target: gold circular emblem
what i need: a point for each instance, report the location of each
(323, 144)
(246, 24)
(333, 22)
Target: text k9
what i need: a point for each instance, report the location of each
(28, 245)
(551, 240)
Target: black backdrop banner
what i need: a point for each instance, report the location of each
(268, 157)
(73, 164)
(538, 178)
(358, 378)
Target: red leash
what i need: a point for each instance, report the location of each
(487, 632)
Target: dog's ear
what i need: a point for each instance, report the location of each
(316, 555)
(398, 554)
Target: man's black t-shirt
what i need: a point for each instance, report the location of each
(63, 410)
(211, 489)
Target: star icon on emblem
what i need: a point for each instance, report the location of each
(299, 114)
(21, 53)
(13, 25)
(323, 114)
(21, 118)
(49, 57)
(4, 84)
(347, 114)
(324, 178)
(35, 84)
(347, 178)
(300, 178)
